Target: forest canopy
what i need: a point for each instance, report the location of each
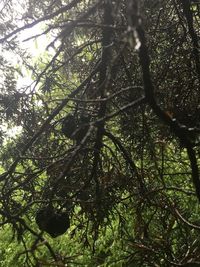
(99, 162)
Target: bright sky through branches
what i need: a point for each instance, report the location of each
(34, 48)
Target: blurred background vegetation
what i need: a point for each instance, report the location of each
(100, 133)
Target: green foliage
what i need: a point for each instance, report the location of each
(107, 133)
